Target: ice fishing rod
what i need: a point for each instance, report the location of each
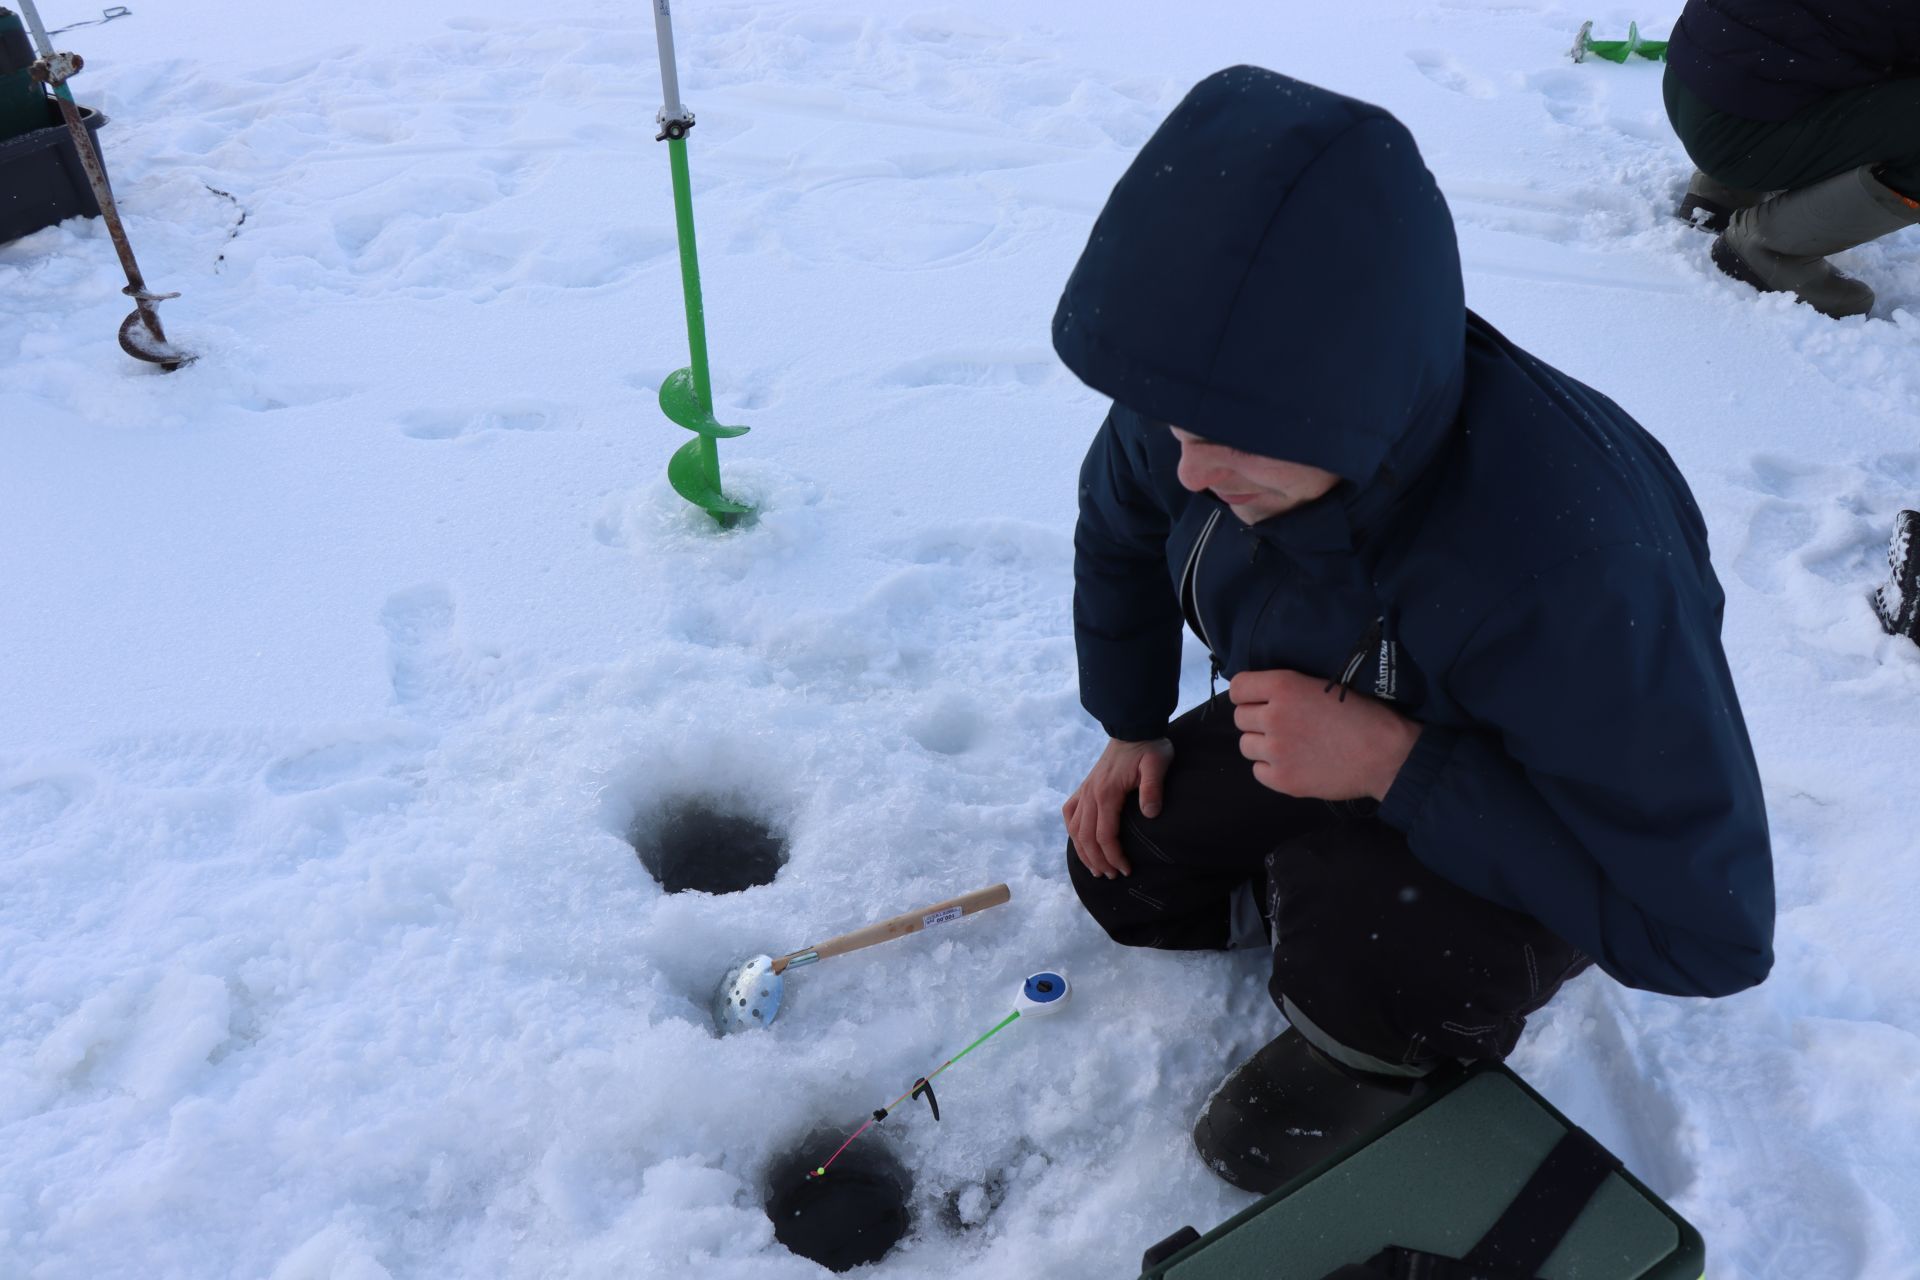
(1042, 993)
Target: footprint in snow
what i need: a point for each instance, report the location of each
(392, 758)
(435, 671)
(1570, 95)
(1775, 534)
(420, 647)
(1780, 477)
(984, 370)
(1447, 72)
(32, 803)
(443, 424)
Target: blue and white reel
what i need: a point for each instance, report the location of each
(1044, 992)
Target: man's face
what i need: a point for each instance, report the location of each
(1252, 486)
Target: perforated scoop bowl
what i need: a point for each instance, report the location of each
(748, 996)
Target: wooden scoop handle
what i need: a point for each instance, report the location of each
(902, 925)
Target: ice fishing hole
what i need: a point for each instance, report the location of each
(707, 847)
(851, 1215)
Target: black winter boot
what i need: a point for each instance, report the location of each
(1289, 1107)
(1898, 602)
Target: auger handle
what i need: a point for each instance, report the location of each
(898, 927)
(674, 117)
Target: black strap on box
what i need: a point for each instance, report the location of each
(1519, 1244)
(1547, 1207)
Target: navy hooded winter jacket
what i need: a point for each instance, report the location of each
(1510, 558)
(1767, 59)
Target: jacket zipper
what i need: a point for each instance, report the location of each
(1190, 598)
(1374, 639)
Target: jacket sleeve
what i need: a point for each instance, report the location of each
(1613, 795)
(1126, 618)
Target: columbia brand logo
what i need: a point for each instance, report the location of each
(1386, 684)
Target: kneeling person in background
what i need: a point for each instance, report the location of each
(1814, 101)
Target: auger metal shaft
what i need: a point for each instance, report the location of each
(140, 333)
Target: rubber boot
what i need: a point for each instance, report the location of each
(1781, 244)
(1708, 203)
(1288, 1108)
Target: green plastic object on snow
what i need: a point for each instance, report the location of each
(686, 397)
(1617, 50)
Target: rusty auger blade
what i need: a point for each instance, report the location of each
(141, 335)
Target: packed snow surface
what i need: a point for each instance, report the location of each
(337, 669)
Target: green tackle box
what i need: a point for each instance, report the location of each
(1436, 1179)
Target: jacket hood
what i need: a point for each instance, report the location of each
(1277, 271)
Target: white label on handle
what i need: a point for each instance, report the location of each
(941, 917)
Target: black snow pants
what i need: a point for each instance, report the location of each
(1878, 124)
(1399, 968)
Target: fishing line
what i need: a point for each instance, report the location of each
(1041, 993)
(923, 1085)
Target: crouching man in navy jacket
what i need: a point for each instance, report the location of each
(1478, 731)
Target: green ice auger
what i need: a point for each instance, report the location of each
(686, 396)
(1617, 50)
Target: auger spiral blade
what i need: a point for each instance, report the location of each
(694, 469)
(1617, 50)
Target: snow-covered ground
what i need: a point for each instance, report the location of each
(336, 668)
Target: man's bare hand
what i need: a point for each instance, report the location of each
(1093, 810)
(1306, 740)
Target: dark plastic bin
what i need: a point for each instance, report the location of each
(41, 181)
(1435, 1179)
